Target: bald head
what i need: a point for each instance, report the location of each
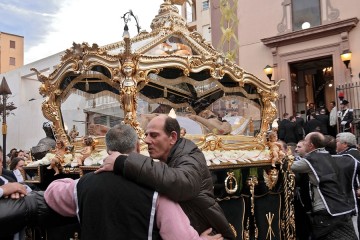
(168, 124)
(314, 140)
(161, 135)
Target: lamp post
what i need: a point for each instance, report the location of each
(268, 70)
(346, 58)
(4, 91)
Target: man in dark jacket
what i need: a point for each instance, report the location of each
(181, 174)
(282, 124)
(291, 135)
(313, 125)
(331, 179)
(131, 211)
(346, 144)
(324, 119)
(300, 124)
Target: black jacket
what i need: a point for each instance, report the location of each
(114, 208)
(336, 176)
(313, 125)
(185, 178)
(30, 210)
(291, 133)
(300, 124)
(9, 175)
(324, 120)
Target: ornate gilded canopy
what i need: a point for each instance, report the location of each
(168, 65)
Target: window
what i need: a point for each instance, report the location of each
(12, 61)
(12, 44)
(206, 32)
(189, 13)
(305, 14)
(205, 5)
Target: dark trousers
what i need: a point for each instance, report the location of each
(327, 227)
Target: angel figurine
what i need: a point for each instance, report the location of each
(89, 147)
(57, 161)
(271, 177)
(275, 147)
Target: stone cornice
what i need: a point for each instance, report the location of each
(312, 33)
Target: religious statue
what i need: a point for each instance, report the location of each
(57, 161)
(212, 122)
(89, 147)
(271, 177)
(275, 147)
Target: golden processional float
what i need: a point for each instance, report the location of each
(174, 71)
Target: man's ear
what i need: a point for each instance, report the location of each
(173, 137)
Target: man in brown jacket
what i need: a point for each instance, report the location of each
(181, 174)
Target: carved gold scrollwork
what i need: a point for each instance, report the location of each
(246, 234)
(50, 107)
(211, 142)
(128, 91)
(288, 218)
(268, 113)
(252, 181)
(231, 184)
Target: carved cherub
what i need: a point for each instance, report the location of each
(275, 147)
(58, 159)
(271, 177)
(89, 147)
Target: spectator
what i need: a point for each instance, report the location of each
(346, 144)
(300, 124)
(333, 119)
(282, 124)
(324, 120)
(16, 166)
(300, 148)
(311, 110)
(333, 200)
(313, 125)
(345, 116)
(125, 209)
(181, 174)
(291, 132)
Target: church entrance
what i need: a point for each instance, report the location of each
(312, 81)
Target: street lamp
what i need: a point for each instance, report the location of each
(268, 70)
(4, 91)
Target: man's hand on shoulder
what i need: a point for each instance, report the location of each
(14, 190)
(206, 235)
(109, 161)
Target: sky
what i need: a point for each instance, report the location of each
(51, 26)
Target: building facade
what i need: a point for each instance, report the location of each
(11, 52)
(249, 33)
(301, 39)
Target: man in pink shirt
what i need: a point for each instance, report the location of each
(132, 212)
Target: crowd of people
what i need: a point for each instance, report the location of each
(326, 168)
(294, 128)
(138, 199)
(132, 196)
